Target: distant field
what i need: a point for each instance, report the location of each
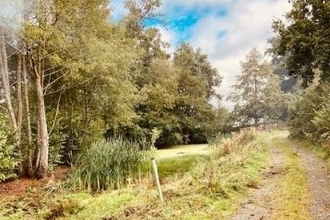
(181, 150)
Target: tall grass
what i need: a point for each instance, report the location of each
(108, 165)
(236, 142)
(233, 167)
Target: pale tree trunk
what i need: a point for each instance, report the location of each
(6, 83)
(19, 116)
(29, 158)
(41, 151)
(255, 101)
(43, 139)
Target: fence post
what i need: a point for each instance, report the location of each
(155, 171)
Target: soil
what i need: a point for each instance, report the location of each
(259, 205)
(22, 186)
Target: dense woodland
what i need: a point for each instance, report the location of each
(71, 75)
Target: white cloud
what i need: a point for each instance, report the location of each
(247, 24)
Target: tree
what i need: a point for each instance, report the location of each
(12, 69)
(289, 82)
(158, 100)
(197, 82)
(257, 93)
(69, 51)
(305, 39)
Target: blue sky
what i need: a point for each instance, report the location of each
(225, 30)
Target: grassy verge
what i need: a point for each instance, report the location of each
(210, 190)
(321, 151)
(292, 194)
(208, 187)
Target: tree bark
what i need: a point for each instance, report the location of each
(19, 116)
(5, 82)
(41, 152)
(43, 139)
(28, 162)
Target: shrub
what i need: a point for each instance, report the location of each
(303, 111)
(108, 165)
(8, 159)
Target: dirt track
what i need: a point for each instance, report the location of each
(318, 183)
(260, 205)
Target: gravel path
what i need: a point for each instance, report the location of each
(318, 183)
(259, 205)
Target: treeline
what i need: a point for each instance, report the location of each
(303, 46)
(71, 75)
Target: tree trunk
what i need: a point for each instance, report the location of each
(5, 82)
(19, 116)
(255, 101)
(41, 152)
(29, 157)
(43, 139)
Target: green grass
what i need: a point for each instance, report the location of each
(292, 194)
(179, 165)
(209, 187)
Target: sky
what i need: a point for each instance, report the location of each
(225, 30)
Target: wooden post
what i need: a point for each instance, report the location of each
(155, 171)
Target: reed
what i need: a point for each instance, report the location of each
(108, 165)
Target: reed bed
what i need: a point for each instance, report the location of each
(108, 165)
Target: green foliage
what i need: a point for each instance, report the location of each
(108, 165)
(8, 157)
(219, 124)
(111, 78)
(321, 122)
(304, 39)
(257, 93)
(303, 111)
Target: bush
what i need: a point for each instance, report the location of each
(322, 125)
(8, 159)
(308, 114)
(108, 165)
